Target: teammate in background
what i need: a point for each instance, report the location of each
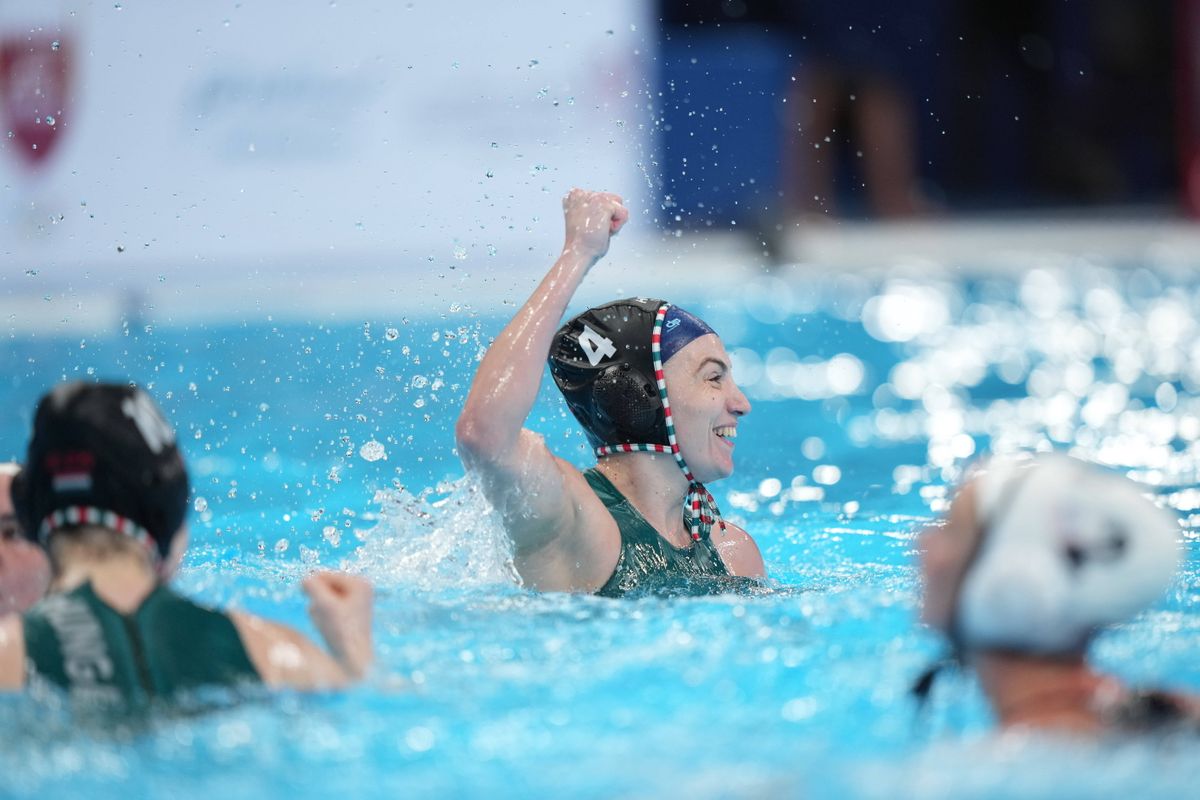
(642, 518)
(104, 490)
(24, 570)
(1031, 561)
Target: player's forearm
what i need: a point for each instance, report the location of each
(506, 383)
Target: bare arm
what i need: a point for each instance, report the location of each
(12, 653)
(739, 552)
(341, 609)
(520, 476)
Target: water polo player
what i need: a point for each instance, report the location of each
(1033, 559)
(24, 570)
(104, 490)
(653, 389)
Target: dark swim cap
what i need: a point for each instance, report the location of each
(102, 454)
(602, 362)
(608, 363)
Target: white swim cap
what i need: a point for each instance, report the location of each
(1065, 549)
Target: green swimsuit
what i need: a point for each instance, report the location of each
(648, 563)
(168, 645)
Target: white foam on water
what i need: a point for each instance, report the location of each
(446, 537)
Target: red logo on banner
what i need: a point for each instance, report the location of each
(34, 75)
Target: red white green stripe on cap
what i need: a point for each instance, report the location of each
(700, 508)
(101, 517)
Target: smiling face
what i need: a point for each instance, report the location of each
(706, 406)
(944, 551)
(24, 568)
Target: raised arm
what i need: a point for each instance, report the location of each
(341, 608)
(520, 476)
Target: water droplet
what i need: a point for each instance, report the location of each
(31, 272)
(419, 402)
(827, 474)
(281, 546)
(420, 381)
(391, 334)
(460, 253)
(55, 45)
(201, 505)
(372, 451)
(332, 535)
(494, 145)
(358, 226)
(490, 174)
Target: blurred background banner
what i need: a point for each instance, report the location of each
(195, 158)
(198, 139)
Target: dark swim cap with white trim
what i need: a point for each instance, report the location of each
(102, 454)
(608, 363)
(602, 363)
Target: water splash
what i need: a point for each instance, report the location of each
(372, 451)
(448, 537)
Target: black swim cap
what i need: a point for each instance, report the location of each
(608, 363)
(102, 454)
(603, 363)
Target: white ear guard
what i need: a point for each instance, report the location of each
(1066, 549)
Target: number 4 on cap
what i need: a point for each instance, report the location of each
(596, 346)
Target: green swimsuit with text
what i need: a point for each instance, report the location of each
(648, 563)
(167, 646)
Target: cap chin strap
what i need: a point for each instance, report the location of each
(700, 510)
(72, 516)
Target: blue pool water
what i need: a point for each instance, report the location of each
(331, 445)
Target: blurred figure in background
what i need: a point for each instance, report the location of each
(812, 102)
(772, 110)
(104, 490)
(854, 106)
(24, 569)
(1032, 560)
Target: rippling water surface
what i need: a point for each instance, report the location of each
(331, 445)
